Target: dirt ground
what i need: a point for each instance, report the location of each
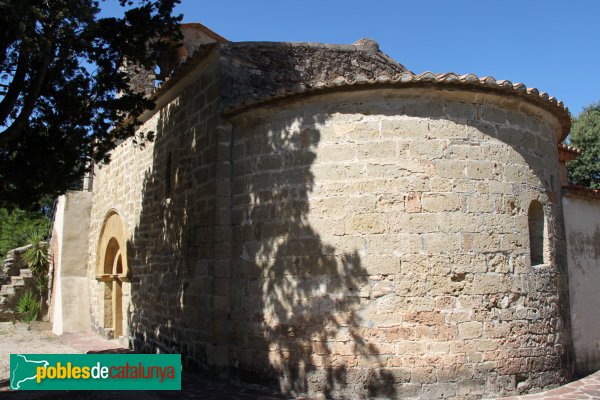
(20, 338)
(16, 339)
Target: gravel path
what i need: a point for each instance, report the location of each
(16, 339)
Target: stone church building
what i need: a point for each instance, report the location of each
(319, 218)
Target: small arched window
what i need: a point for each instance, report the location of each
(537, 233)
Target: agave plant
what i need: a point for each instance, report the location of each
(36, 256)
(28, 307)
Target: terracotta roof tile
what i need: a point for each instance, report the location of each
(568, 148)
(382, 79)
(581, 191)
(468, 81)
(566, 152)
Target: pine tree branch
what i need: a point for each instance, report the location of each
(15, 88)
(16, 128)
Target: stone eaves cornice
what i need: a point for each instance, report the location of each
(581, 192)
(567, 153)
(427, 79)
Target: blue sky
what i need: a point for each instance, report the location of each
(551, 45)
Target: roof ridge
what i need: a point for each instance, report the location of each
(206, 30)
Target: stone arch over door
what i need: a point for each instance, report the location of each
(112, 274)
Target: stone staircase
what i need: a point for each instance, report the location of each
(15, 279)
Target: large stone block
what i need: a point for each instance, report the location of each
(436, 202)
(470, 330)
(408, 128)
(428, 149)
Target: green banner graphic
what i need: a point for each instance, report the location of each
(95, 371)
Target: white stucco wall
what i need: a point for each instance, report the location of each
(71, 311)
(56, 311)
(582, 228)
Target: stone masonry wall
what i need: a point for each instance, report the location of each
(366, 243)
(166, 192)
(117, 185)
(380, 246)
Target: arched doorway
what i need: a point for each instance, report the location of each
(112, 276)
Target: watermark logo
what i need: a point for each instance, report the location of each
(95, 371)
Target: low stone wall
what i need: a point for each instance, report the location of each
(11, 264)
(15, 279)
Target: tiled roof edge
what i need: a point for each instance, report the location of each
(569, 149)
(468, 81)
(581, 191)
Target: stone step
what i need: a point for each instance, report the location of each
(3, 299)
(41, 326)
(7, 290)
(26, 273)
(17, 281)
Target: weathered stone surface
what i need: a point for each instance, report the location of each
(266, 67)
(15, 280)
(370, 243)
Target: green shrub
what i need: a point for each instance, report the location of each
(585, 134)
(28, 307)
(16, 225)
(36, 256)
(41, 284)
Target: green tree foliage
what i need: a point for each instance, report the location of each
(65, 99)
(585, 135)
(16, 227)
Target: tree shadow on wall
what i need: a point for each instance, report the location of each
(228, 270)
(172, 252)
(296, 293)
